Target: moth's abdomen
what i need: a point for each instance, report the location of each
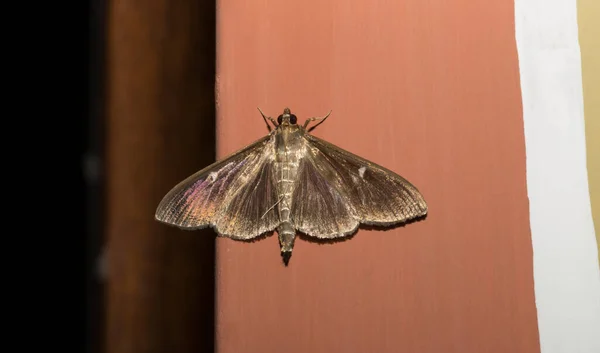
(287, 234)
(289, 149)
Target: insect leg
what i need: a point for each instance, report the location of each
(320, 121)
(268, 117)
(272, 207)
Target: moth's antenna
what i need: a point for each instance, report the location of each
(321, 120)
(267, 117)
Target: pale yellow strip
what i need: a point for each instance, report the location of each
(589, 41)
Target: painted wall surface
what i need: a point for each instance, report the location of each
(430, 90)
(566, 272)
(589, 41)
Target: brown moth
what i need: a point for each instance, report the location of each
(291, 181)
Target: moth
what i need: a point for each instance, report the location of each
(291, 181)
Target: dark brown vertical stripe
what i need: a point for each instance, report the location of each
(160, 129)
(429, 89)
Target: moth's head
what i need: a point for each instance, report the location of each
(287, 118)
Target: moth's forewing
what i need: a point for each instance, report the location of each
(231, 195)
(351, 190)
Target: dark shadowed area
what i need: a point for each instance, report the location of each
(151, 123)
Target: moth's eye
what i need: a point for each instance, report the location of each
(279, 118)
(292, 119)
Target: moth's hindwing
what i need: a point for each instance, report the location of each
(232, 195)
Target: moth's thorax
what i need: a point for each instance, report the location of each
(289, 143)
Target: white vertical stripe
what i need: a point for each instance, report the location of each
(566, 271)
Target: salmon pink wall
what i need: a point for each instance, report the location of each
(430, 90)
